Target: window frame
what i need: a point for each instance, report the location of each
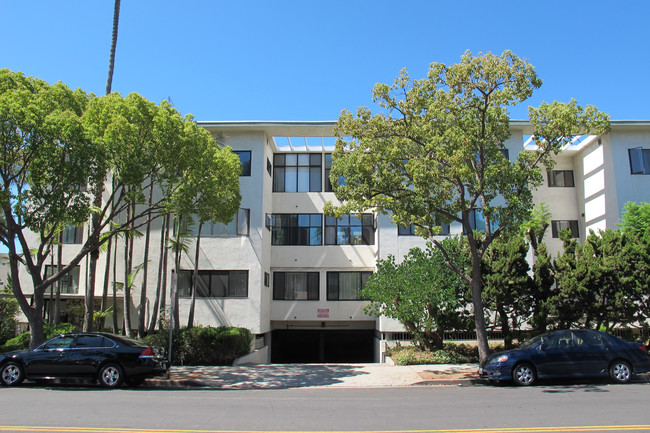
(280, 289)
(312, 169)
(573, 225)
(312, 232)
(335, 229)
(334, 279)
(72, 235)
(245, 165)
(560, 178)
(185, 278)
(639, 160)
(68, 281)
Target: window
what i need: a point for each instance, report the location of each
(559, 225)
(57, 343)
(297, 172)
(69, 282)
(328, 168)
(93, 341)
(639, 160)
(239, 226)
(410, 230)
(296, 229)
(296, 286)
(72, 235)
(269, 167)
(346, 286)
(560, 178)
(505, 153)
(477, 220)
(350, 230)
(214, 284)
(245, 159)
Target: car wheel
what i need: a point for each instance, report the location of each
(620, 371)
(135, 381)
(11, 374)
(524, 374)
(111, 376)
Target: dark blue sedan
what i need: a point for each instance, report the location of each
(568, 353)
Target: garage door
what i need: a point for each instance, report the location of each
(298, 346)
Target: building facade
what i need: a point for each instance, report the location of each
(292, 275)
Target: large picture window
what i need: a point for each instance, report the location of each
(559, 225)
(639, 161)
(214, 284)
(560, 178)
(69, 282)
(346, 286)
(297, 172)
(350, 230)
(295, 286)
(296, 229)
(239, 226)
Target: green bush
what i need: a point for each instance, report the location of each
(21, 342)
(204, 345)
(451, 353)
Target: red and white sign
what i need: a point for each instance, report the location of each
(323, 312)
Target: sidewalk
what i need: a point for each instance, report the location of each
(278, 376)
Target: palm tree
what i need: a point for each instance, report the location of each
(111, 62)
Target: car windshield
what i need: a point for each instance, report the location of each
(532, 342)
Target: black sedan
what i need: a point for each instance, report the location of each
(568, 353)
(110, 359)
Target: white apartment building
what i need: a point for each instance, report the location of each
(292, 275)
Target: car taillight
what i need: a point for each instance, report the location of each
(643, 349)
(147, 353)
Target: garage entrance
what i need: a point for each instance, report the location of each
(310, 346)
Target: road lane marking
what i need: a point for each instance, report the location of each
(569, 429)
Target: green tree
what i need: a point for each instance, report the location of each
(436, 154)
(8, 311)
(56, 141)
(421, 292)
(636, 218)
(507, 285)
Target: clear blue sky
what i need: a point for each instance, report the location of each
(308, 59)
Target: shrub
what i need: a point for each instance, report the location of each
(204, 345)
(451, 353)
(21, 342)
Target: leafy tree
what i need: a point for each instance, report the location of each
(636, 218)
(56, 141)
(435, 156)
(507, 285)
(421, 292)
(8, 311)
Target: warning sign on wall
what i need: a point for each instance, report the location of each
(323, 312)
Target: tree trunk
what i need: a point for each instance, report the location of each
(177, 265)
(479, 316)
(145, 272)
(162, 273)
(57, 297)
(111, 61)
(115, 325)
(195, 276)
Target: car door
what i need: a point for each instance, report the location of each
(592, 353)
(48, 359)
(86, 355)
(555, 357)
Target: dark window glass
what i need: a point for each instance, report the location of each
(90, 341)
(72, 235)
(477, 220)
(69, 282)
(296, 229)
(410, 230)
(560, 178)
(505, 153)
(269, 167)
(350, 230)
(295, 286)
(214, 284)
(245, 159)
(58, 343)
(639, 160)
(346, 286)
(297, 172)
(558, 225)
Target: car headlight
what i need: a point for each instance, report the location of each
(499, 359)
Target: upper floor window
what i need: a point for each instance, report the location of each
(72, 235)
(296, 229)
(410, 230)
(214, 284)
(297, 172)
(558, 225)
(296, 286)
(69, 282)
(346, 286)
(245, 159)
(350, 230)
(560, 178)
(477, 220)
(328, 168)
(639, 160)
(239, 226)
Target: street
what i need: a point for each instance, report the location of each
(592, 407)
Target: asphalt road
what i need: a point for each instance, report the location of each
(586, 407)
